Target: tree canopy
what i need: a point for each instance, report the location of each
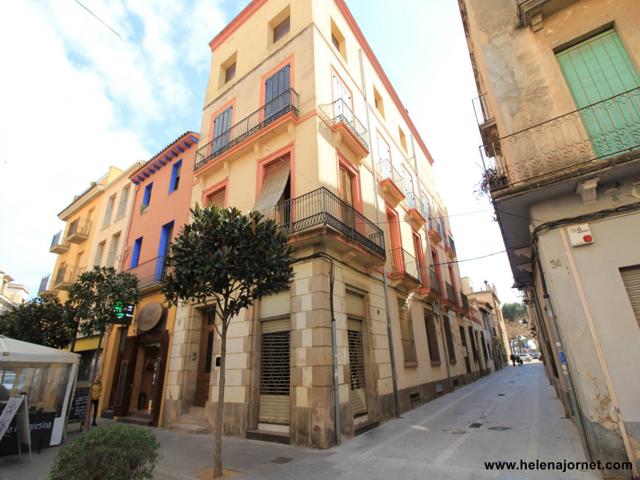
(514, 311)
(43, 320)
(94, 296)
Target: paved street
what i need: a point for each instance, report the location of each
(434, 441)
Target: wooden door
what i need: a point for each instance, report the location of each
(347, 194)
(125, 377)
(205, 364)
(158, 383)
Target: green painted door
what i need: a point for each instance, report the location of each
(604, 84)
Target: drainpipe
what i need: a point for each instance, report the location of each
(575, 406)
(394, 374)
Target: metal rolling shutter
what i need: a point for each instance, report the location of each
(631, 279)
(358, 391)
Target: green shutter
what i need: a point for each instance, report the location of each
(602, 80)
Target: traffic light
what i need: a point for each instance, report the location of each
(122, 313)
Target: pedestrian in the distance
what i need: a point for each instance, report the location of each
(513, 359)
(96, 391)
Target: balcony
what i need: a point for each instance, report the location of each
(66, 276)
(347, 128)
(257, 124)
(465, 302)
(322, 213)
(450, 293)
(390, 181)
(586, 140)
(414, 213)
(486, 120)
(44, 284)
(450, 247)
(430, 284)
(58, 244)
(404, 269)
(78, 230)
(150, 274)
(435, 230)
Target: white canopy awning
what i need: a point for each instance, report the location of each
(12, 350)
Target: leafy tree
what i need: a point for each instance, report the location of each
(93, 299)
(226, 260)
(114, 452)
(514, 311)
(43, 320)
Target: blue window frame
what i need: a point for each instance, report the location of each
(175, 176)
(163, 248)
(135, 256)
(147, 195)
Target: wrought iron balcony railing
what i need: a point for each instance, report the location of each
(386, 170)
(66, 276)
(150, 273)
(44, 284)
(339, 111)
(451, 293)
(322, 208)
(403, 263)
(78, 230)
(465, 301)
(481, 109)
(58, 244)
(286, 102)
(582, 141)
(434, 281)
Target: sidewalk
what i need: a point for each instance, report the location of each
(435, 441)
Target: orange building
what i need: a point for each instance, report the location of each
(136, 356)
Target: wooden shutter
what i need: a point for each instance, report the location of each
(631, 279)
(595, 71)
(221, 130)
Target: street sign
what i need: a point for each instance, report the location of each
(122, 314)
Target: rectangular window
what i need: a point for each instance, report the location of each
(146, 199)
(406, 332)
(166, 235)
(281, 29)
(432, 335)
(474, 347)
(631, 280)
(216, 199)
(230, 72)
(99, 253)
(124, 199)
(377, 98)
(113, 250)
(109, 211)
(449, 337)
(403, 139)
(175, 176)
(135, 255)
(337, 39)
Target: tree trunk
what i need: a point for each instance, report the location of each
(92, 379)
(217, 432)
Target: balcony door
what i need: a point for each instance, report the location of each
(602, 79)
(343, 100)
(277, 97)
(222, 130)
(348, 192)
(395, 241)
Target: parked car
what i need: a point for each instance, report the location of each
(535, 355)
(525, 357)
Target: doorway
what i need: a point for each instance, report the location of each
(205, 363)
(465, 350)
(148, 377)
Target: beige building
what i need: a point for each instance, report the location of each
(559, 115)
(301, 122)
(11, 294)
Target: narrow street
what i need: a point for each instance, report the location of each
(515, 410)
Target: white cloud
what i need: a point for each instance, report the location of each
(75, 99)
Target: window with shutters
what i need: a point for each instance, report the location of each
(109, 211)
(216, 198)
(432, 336)
(113, 250)
(449, 338)
(275, 186)
(631, 280)
(222, 130)
(228, 70)
(474, 347)
(124, 199)
(277, 94)
(99, 253)
(406, 333)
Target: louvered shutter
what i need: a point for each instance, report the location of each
(631, 279)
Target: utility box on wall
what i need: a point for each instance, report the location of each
(580, 235)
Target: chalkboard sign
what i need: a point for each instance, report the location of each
(79, 405)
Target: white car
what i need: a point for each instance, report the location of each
(525, 357)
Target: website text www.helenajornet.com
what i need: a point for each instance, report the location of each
(555, 465)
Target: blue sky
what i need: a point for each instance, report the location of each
(81, 98)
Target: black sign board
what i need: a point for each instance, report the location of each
(79, 405)
(122, 314)
(40, 425)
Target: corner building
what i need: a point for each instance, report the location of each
(301, 122)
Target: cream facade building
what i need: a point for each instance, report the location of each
(559, 113)
(301, 122)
